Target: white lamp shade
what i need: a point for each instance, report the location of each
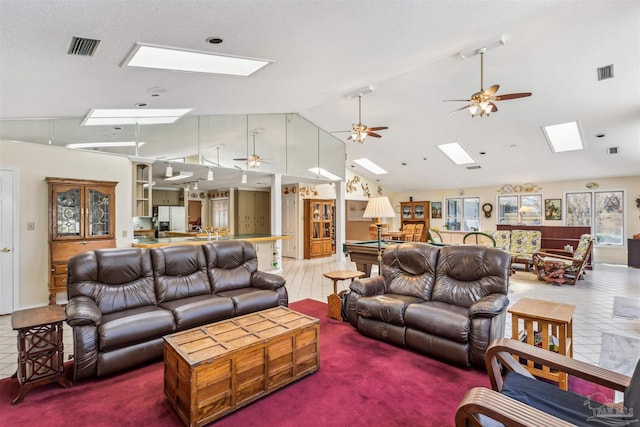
(168, 171)
(243, 180)
(379, 207)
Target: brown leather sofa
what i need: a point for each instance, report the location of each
(123, 301)
(447, 302)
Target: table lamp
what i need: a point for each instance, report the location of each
(379, 207)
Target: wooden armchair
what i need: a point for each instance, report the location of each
(518, 399)
(566, 269)
(479, 238)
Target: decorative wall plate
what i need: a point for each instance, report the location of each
(507, 188)
(528, 187)
(203, 195)
(592, 185)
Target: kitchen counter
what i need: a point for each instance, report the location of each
(198, 240)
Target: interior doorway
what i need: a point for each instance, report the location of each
(8, 236)
(194, 214)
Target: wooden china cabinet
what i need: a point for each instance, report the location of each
(81, 218)
(319, 228)
(416, 213)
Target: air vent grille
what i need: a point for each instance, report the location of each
(605, 72)
(612, 150)
(473, 167)
(81, 46)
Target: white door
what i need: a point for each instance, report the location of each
(289, 226)
(7, 241)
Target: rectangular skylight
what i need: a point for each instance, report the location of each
(370, 166)
(181, 175)
(176, 59)
(563, 137)
(131, 116)
(324, 173)
(104, 144)
(456, 153)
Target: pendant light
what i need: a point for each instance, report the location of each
(169, 171)
(244, 178)
(210, 175)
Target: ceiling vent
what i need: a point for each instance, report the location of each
(473, 167)
(612, 150)
(605, 72)
(81, 46)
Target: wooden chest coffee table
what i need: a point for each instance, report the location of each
(215, 369)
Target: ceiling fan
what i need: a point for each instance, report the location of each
(482, 103)
(360, 131)
(253, 161)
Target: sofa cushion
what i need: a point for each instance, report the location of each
(439, 319)
(230, 264)
(409, 269)
(199, 310)
(468, 273)
(180, 272)
(116, 279)
(132, 326)
(248, 300)
(387, 308)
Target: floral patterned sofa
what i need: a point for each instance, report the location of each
(521, 244)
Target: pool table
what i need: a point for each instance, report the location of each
(365, 253)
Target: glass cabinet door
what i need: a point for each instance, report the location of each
(326, 213)
(418, 211)
(406, 212)
(316, 230)
(68, 212)
(98, 207)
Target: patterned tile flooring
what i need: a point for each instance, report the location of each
(592, 296)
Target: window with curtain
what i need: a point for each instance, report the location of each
(463, 213)
(523, 209)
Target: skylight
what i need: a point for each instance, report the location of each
(370, 166)
(325, 174)
(563, 137)
(130, 116)
(456, 153)
(176, 59)
(77, 145)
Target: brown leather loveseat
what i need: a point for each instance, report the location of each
(123, 301)
(447, 302)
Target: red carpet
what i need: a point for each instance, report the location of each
(361, 382)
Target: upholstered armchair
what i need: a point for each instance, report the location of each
(573, 266)
(523, 245)
(502, 239)
(519, 399)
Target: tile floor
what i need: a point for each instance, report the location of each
(593, 298)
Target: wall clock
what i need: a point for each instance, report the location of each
(487, 208)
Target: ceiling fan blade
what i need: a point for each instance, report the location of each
(511, 96)
(456, 100)
(378, 128)
(375, 135)
(492, 90)
(340, 131)
(493, 107)
(460, 109)
(241, 160)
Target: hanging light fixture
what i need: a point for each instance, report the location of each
(243, 180)
(195, 185)
(169, 170)
(210, 175)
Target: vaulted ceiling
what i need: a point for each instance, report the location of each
(408, 51)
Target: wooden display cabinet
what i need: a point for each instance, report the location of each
(416, 213)
(318, 228)
(142, 194)
(81, 218)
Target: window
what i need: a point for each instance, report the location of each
(523, 209)
(602, 210)
(463, 214)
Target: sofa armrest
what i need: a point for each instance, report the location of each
(369, 286)
(489, 306)
(268, 281)
(82, 310)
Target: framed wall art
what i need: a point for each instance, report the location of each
(553, 209)
(436, 210)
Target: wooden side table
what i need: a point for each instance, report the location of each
(546, 318)
(40, 348)
(334, 301)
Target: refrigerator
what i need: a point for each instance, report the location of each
(172, 218)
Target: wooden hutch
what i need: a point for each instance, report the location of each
(416, 213)
(81, 218)
(319, 228)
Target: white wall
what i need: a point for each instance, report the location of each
(35, 162)
(549, 190)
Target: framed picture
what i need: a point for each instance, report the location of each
(355, 210)
(553, 209)
(436, 210)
